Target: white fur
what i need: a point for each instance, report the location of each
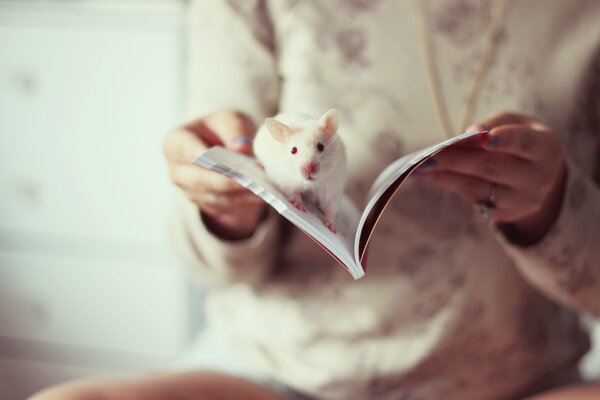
(285, 169)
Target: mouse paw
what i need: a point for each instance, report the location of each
(329, 225)
(298, 204)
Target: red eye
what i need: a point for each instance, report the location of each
(320, 147)
(294, 150)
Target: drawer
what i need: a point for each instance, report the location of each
(99, 304)
(84, 106)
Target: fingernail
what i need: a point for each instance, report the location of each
(483, 128)
(477, 127)
(428, 164)
(241, 140)
(495, 142)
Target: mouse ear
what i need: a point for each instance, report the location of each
(329, 123)
(280, 131)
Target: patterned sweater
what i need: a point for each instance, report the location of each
(449, 308)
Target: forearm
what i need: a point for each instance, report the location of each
(565, 263)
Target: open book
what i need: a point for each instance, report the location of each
(354, 228)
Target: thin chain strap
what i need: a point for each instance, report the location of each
(498, 13)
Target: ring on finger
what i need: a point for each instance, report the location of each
(486, 207)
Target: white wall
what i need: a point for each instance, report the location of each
(87, 282)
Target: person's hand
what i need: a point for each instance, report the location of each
(522, 159)
(229, 210)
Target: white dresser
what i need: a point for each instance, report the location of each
(87, 282)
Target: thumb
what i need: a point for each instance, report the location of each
(242, 144)
(234, 129)
(504, 118)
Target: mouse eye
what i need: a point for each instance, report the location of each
(294, 150)
(320, 147)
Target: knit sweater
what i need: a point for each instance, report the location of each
(450, 307)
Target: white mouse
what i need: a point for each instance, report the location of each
(305, 158)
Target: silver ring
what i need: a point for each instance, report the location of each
(485, 211)
(486, 208)
(492, 197)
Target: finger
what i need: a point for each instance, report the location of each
(510, 204)
(233, 130)
(230, 201)
(473, 189)
(497, 167)
(242, 144)
(525, 142)
(195, 179)
(476, 141)
(481, 128)
(223, 203)
(504, 118)
(219, 212)
(182, 146)
(495, 120)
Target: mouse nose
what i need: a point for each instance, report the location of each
(309, 169)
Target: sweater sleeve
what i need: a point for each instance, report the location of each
(231, 58)
(216, 262)
(565, 264)
(231, 67)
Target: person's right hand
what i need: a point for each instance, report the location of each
(229, 210)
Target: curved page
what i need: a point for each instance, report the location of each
(386, 185)
(244, 170)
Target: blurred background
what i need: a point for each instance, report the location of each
(88, 284)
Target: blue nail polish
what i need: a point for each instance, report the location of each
(240, 140)
(495, 142)
(429, 163)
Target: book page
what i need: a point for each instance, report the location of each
(386, 185)
(245, 171)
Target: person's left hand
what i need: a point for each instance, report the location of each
(522, 158)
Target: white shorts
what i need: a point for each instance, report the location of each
(209, 359)
(216, 360)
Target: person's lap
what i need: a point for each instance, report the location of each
(206, 385)
(200, 373)
(209, 373)
(194, 385)
(579, 392)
